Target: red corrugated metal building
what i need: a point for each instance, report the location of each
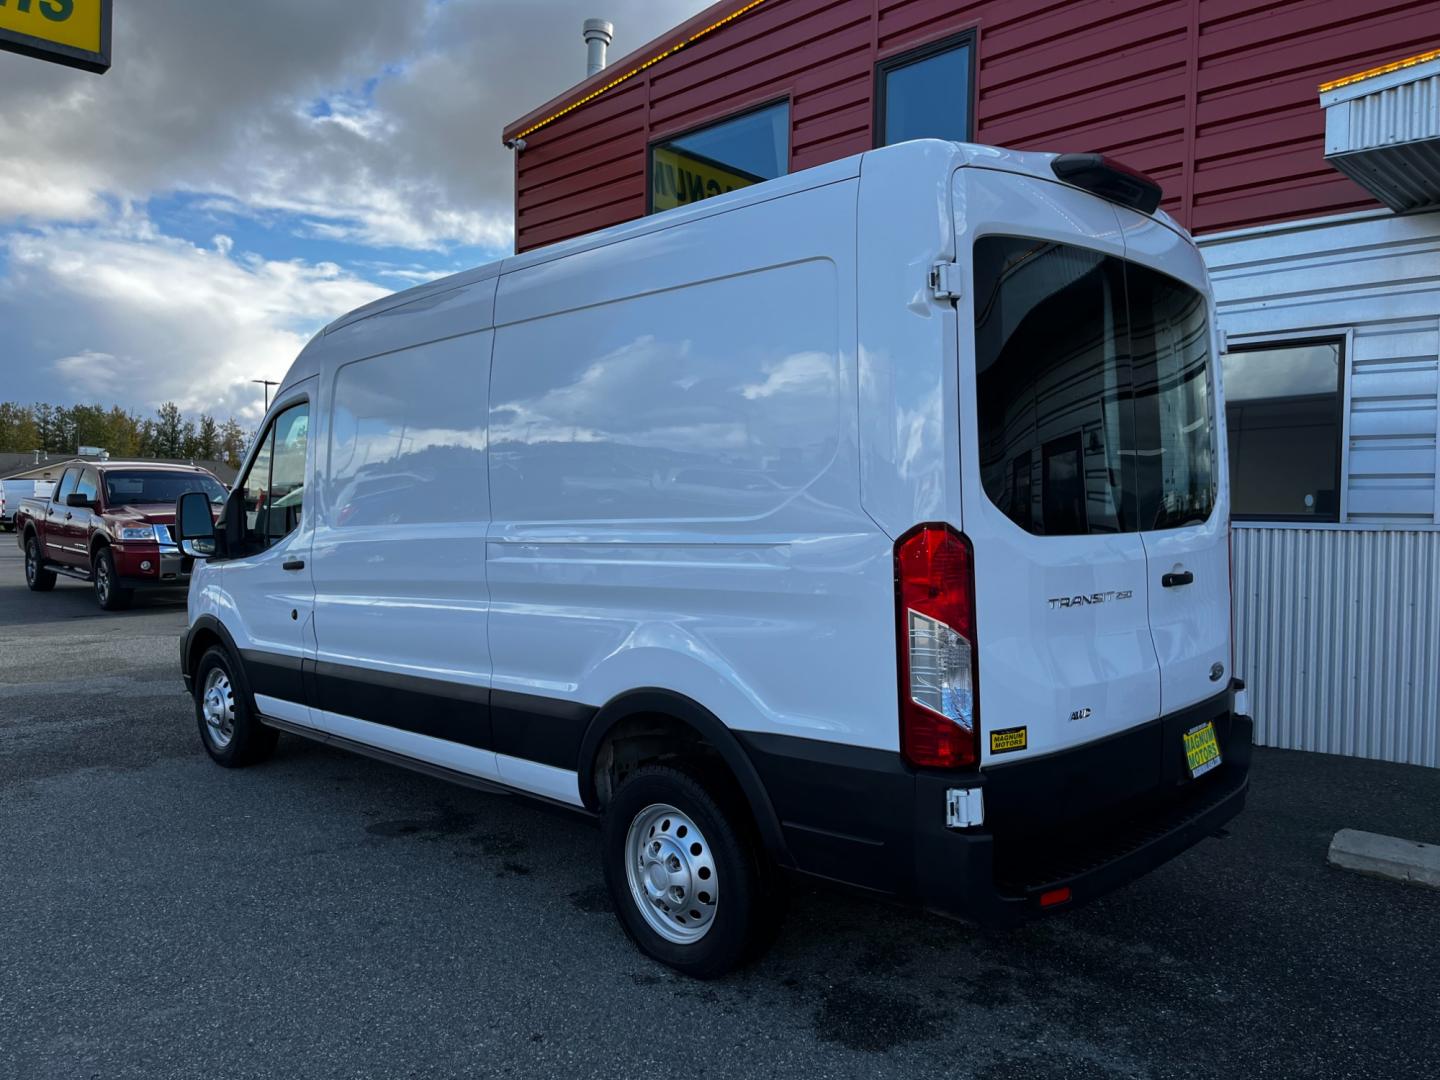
(1216, 99)
(1299, 140)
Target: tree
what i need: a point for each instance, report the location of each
(124, 437)
(17, 428)
(89, 426)
(47, 432)
(207, 439)
(234, 441)
(170, 431)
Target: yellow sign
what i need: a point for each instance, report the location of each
(71, 32)
(679, 179)
(1008, 739)
(1202, 751)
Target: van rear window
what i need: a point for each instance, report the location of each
(1093, 391)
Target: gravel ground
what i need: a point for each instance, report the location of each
(328, 916)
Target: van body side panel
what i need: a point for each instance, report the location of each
(674, 477)
(399, 558)
(909, 431)
(1063, 627)
(1190, 623)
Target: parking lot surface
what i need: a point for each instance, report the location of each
(324, 915)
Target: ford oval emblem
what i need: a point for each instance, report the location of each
(1216, 670)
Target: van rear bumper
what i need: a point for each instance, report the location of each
(997, 874)
(1088, 819)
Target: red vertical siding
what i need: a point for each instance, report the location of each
(1214, 98)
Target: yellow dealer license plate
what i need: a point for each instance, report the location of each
(1202, 752)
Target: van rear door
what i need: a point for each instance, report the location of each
(1048, 468)
(1182, 498)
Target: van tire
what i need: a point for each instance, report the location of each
(108, 593)
(748, 893)
(37, 578)
(236, 738)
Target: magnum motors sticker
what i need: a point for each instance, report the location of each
(1007, 739)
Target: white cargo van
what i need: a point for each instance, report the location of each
(870, 523)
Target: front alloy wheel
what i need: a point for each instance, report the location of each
(108, 593)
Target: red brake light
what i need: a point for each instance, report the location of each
(1055, 896)
(939, 660)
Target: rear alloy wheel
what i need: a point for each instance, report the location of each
(108, 592)
(687, 875)
(37, 578)
(232, 734)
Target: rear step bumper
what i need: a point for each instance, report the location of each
(1083, 844)
(1088, 819)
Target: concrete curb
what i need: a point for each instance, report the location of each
(1387, 857)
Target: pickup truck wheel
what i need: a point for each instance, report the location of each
(686, 874)
(232, 734)
(37, 578)
(107, 589)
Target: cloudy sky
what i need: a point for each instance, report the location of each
(247, 171)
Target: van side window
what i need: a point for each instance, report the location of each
(287, 472)
(255, 485)
(273, 489)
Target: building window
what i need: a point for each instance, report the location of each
(720, 157)
(1282, 409)
(926, 93)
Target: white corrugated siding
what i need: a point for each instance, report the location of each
(1376, 277)
(1338, 628)
(1337, 636)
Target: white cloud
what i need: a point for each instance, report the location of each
(166, 320)
(223, 102)
(221, 99)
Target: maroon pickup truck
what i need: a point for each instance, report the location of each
(110, 523)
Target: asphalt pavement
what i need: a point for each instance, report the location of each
(325, 915)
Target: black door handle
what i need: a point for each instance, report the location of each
(293, 564)
(69, 516)
(1185, 577)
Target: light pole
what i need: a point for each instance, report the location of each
(267, 383)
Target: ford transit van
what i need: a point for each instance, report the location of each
(870, 523)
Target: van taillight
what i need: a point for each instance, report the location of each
(939, 684)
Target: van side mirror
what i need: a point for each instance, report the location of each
(81, 501)
(194, 525)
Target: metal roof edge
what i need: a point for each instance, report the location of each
(632, 62)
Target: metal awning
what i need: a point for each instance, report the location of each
(1382, 129)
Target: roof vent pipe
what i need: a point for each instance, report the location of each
(598, 34)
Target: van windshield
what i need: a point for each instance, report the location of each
(1093, 391)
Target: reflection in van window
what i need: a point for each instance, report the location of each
(1093, 391)
(668, 406)
(1053, 386)
(1174, 414)
(287, 471)
(399, 455)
